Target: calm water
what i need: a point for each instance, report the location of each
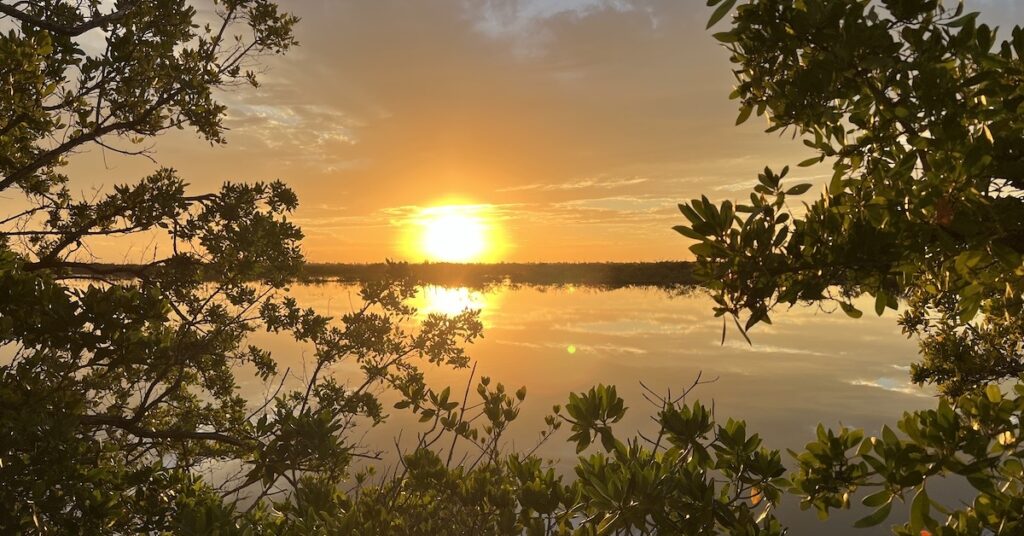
(809, 367)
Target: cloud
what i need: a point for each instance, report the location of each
(893, 385)
(622, 204)
(413, 214)
(504, 18)
(577, 348)
(313, 133)
(604, 184)
(635, 327)
(600, 210)
(766, 349)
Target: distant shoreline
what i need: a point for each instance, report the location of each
(665, 274)
(593, 274)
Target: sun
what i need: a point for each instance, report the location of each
(453, 237)
(457, 233)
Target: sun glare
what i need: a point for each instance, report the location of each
(456, 233)
(450, 301)
(433, 299)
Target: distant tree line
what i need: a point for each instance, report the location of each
(606, 275)
(609, 275)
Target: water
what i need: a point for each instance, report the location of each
(808, 367)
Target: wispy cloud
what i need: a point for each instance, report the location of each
(409, 214)
(635, 326)
(602, 184)
(501, 18)
(305, 132)
(767, 349)
(894, 385)
(576, 348)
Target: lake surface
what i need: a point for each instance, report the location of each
(808, 367)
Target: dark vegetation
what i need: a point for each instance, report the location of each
(604, 275)
(116, 399)
(608, 275)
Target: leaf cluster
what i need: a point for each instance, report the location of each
(917, 108)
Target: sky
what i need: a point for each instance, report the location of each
(574, 126)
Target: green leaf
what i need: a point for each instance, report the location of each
(725, 37)
(981, 482)
(745, 112)
(875, 517)
(688, 232)
(799, 189)
(993, 393)
(920, 509)
(969, 307)
(703, 249)
(889, 436)
(850, 310)
(690, 213)
(607, 523)
(963, 21)
(811, 161)
(1013, 467)
(720, 12)
(877, 499)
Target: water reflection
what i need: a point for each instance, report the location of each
(433, 299)
(805, 368)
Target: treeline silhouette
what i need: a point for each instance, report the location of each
(595, 274)
(665, 274)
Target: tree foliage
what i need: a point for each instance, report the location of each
(697, 477)
(918, 109)
(117, 393)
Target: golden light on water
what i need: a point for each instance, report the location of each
(456, 233)
(448, 301)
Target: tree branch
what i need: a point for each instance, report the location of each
(132, 428)
(69, 31)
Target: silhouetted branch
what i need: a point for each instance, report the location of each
(131, 427)
(69, 31)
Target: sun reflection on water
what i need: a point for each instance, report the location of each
(433, 299)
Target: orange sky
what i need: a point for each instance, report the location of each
(580, 123)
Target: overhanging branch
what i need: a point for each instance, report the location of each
(133, 428)
(69, 31)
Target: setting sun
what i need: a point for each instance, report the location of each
(456, 233)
